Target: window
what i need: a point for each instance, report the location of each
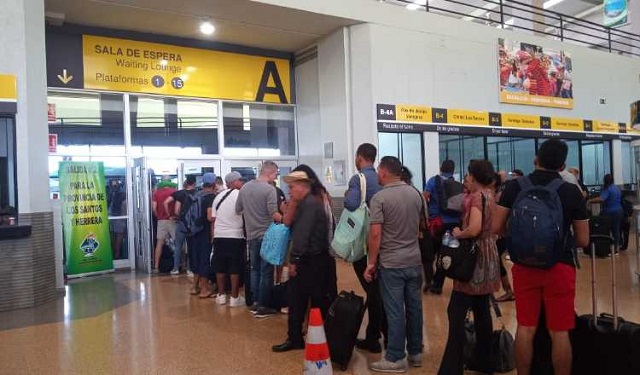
(86, 119)
(258, 130)
(8, 184)
(596, 161)
(461, 149)
(408, 148)
(165, 126)
(628, 166)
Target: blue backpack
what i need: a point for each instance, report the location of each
(536, 235)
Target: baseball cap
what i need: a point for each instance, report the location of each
(232, 177)
(209, 178)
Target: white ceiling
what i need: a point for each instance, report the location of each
(242, 22)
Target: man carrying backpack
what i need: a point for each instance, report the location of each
(365, 157)
(180, 198)
(539, 211)
(437, 191)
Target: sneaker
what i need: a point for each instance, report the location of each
(254, 308)
(155, 271)
(415, 360)
(221, 299)
(265, 312)
(388, 366)
(175, 272)
(189, 273)
(237, 302)
(435, 290)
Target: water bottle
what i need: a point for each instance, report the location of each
(454, 243)
(446, 239)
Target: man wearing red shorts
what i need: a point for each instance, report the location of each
(553, 288)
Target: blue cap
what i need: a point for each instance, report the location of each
(209, 178)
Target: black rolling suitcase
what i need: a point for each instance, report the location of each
(600, 229)
(605, 344)
(342, 325)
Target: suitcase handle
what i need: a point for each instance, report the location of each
(613, 249)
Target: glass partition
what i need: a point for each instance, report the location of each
(170, 126)
(86, 119)
(408, 148)
(596, 161)
(258, 130)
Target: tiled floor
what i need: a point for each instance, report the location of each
(135, 324)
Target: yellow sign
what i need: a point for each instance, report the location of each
(567, 124)
(8, 88)
(457, 116)
(606, 127)
(413, 113)
(132, 66)
(541, 101)
(511, 120)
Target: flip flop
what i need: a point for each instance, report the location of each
(507, 297)
(205, 296)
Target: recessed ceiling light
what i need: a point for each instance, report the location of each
(550, 3)
(207, 28)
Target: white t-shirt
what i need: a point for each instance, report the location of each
(228, 224)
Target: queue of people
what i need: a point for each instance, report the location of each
(396, 267)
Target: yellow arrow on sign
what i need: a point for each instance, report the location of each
(64, 78)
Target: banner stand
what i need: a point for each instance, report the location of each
(85, 218)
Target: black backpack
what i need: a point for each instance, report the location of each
(194, 215)
(448, 188)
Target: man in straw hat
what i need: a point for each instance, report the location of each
(309, 260)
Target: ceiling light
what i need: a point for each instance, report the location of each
(417, 4)
(207, 28)
(549, 3)
(479, 12)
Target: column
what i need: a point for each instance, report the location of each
(527, 23)
(22, 47)
(29, 263)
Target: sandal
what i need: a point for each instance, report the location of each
(208, 295)
(507, 297)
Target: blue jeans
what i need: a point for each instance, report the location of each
(261, 274)
(400, 289)
(178, 245)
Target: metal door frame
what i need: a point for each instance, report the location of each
(142, 221)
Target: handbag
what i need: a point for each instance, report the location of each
(350, 237)
(503, 357)
(275, 243)
(502, 344)
(459, 263)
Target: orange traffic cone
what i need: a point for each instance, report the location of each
(316, 351)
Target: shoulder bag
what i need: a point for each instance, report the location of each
(459, 263)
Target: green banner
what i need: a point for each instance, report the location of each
(85, 218)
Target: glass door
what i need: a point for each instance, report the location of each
(250, 169)
(197, 168)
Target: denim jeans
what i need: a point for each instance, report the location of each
(261, 274)
(402, 299)
(178, 245)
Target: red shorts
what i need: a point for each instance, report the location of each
(556, 287)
